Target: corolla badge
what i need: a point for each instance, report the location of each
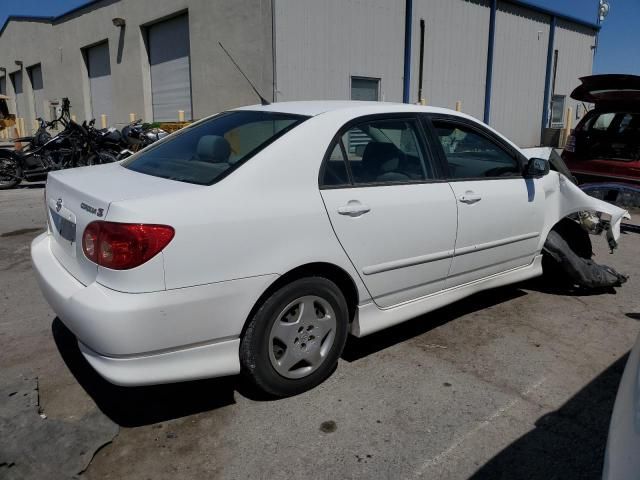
(96, 211)
(58, 205)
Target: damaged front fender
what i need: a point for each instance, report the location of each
(564, 198)
(574, 200)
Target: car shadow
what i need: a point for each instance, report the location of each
(543, 284)
(137, 406)
(30, 186)
(358, 348)
(567, 443)
(629, 228)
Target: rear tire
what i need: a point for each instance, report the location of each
(293, 341)
(10, 170)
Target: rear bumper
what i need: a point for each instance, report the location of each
(204, 361)
(157, 337)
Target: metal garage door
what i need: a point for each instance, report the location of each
(169, 61)
(35, 73)
(99, 69)
(21, 107)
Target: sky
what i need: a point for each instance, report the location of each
(618, 45)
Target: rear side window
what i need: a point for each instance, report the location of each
(377, 152)
(208, 151)
(470, 154)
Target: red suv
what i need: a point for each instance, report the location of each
(605, 145)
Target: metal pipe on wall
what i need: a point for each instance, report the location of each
(407, 50)
(489, 76)
(420, 73)
(547, 79)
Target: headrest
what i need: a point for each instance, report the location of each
(214, 149)
(380, 157)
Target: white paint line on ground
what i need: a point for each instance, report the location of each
(459, 441)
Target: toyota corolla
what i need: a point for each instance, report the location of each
(256, 240)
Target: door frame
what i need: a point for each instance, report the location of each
(431, 155)
(427, 120)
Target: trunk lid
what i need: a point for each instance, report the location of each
(76, 197)
(609, 91)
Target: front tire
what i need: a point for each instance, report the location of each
(10, 171)
(293, 342)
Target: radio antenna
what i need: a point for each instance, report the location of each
(263, 100)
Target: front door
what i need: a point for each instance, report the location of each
(396, 222)
(500, 213)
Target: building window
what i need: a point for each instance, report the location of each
(557, 111)
(365, 89)
(3, 85)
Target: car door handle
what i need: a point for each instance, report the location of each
(353, 209)
(469, 198)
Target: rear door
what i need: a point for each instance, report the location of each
(500, 213)
(395, 220)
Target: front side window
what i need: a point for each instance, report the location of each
(207, 151)
(378, 152)
(472, 155)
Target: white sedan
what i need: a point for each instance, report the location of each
(256, 240)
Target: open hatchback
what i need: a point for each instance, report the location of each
(605, 145)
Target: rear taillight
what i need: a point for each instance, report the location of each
(121, 246)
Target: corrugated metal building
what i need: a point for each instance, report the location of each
(507, 62)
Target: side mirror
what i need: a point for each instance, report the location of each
(536, 168)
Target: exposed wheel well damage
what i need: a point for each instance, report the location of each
(567, 253)
(326, 270)
(575, 235)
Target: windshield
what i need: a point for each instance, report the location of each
(208, 151)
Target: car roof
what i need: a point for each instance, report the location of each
(316, 107)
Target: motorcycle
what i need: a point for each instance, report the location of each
(76, 145)
(138, 135)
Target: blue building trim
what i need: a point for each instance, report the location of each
(554, 13)
(489, 77)
(408, 20)
(547, 78)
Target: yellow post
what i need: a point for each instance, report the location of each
(103, 120)
(73, 118)
(21, 122)
(423, 101)
(567, 129)
(458, 106)
(181, 115)
(132, 117)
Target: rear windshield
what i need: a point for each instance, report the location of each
(610, 135)
(206, 152)
(614, 123)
